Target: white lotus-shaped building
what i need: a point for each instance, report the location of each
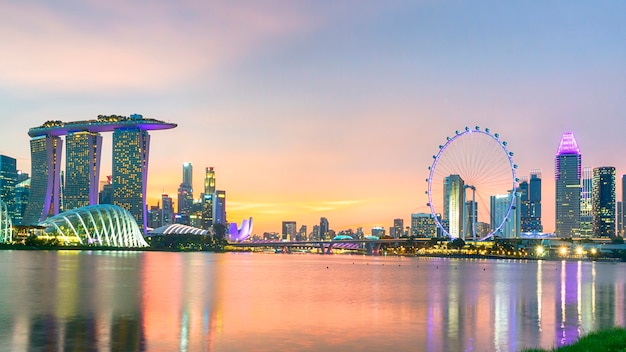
(104, 224)
(239, 234)
(6, 226)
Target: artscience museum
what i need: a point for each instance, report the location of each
(102, 225)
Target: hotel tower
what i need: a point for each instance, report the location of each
(131, 143)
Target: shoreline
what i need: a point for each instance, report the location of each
(448, 255)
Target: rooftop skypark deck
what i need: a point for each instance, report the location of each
(101, 124)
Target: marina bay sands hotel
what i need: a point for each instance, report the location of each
(131, 145)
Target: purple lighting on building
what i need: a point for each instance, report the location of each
(568, 145)
(239, 234)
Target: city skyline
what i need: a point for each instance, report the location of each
(310, 111)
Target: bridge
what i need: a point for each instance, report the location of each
(368, 246)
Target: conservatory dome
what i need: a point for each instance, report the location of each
(6, 226)
(104, 224)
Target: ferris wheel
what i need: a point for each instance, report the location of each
(471, 185)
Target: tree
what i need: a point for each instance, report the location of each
(457, 243)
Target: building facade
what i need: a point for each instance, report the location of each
(130, 171)
(185, 195)
(82, 169)
(453, 204)
(567, 176)
(586, 203)
(45, 184)
(289, 230)
(603, 191)
(130, 164)
(8, 182)
(424, 225)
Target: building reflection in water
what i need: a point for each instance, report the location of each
(121, 301)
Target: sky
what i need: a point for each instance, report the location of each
(310, 109)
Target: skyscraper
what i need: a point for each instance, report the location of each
(209, 180)
(603, 191)
(453, 203)
(324, 228)
(530, 203)
(219, 208)
(46, 179)
(130, 171)
(8, 181)
(586, 203)
(289, 230)
(499, 206)
(130, 164)
(167, 210)
(185, 195)
(82, 169)
(622, 214)
(567, 176)
(398, 228)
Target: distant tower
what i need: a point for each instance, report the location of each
(567, 176)
(398, 228)
(324, 228)
(185, 195)
(167, 210)
(603, 191)
(46, 179)
(499, 206)
(219, 208)
(534, 202)
(586, 203)
(453, 201)
(289, 230)
(130, 171)
(8, 182)
(622, 217)
(82, 169)
(209, 181)
(208, 199)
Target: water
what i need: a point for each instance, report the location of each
(152, 301)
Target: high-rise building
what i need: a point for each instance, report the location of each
(567, 196)
(324, 228)
(289, 230)
(22, 193)
(530, 203)
(167, 210)
(453, 204)
(378, 231)
(209, 180)
(8, 181)
(302, 234)
(471, 218)
(219, 207)
(622, 213)
(398, 228)
(499, 206)
(185, 195)
(603, 191)
(82, 169)
(534, 202)
(423, 225)
(586, 203)
(130, 164)
(45, 183)
(130, 171)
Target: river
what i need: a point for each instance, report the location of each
(160, 301)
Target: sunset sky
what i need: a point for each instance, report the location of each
(321, 108)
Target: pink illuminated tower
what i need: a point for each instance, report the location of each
(567, 174)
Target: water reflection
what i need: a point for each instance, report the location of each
(144, 301)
